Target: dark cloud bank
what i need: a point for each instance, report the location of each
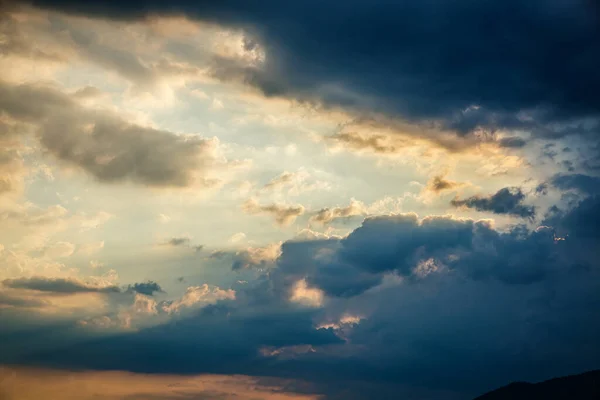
(504, 201)
(65, 286)
(463, 65)
(452, 306)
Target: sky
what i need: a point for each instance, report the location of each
(297, 200)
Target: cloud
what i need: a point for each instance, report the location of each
(12, 168)
(178, 241)
(53, 384)
(260, 258)
(430, 292)
(512, 142)
(438, 184)
(328, 215)
(57, 285)
(279, 181)
(11, 300)
(302, 294)
(256, 257)
(59, 250)
(284, 214)
(237, 237)
(585, 184)
(71, 286)
(307, 60)
(505, 201)
(404, 246)
(90, 248)
(105, 145)
(375, 143)
(146, 288)
(580, 222)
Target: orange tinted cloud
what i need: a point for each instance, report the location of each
(29, 383)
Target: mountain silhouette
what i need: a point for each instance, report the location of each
(584, 386)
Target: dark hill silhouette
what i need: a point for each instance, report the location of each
(585, 386)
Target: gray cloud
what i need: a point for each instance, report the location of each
(57, 285)
(468, 84)
(585, 184)
(106, 146)
(283, 214)
(505, 201)
(439, 183)
(512, 142)
(147, 288)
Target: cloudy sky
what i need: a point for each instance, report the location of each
(297, 200)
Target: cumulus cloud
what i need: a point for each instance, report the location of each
(198, 296)
(284, 214)
(375, 143)
(302, 294)
(412, 249)
(256, 257)
(505, 201)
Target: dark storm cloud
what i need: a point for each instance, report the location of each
(581, 222)
(466, 65)
(504, 201)
(57, 285)
(219, 338)
(583, 183)
(410, 248)
(476, 308)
